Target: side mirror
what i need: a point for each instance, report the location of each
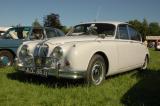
(102, 36)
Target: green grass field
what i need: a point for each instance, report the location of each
(132, 89)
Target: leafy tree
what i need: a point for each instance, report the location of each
(65, 29)
(139, 27)
(36, 23)
(154, 29)
(144, 30)
(136, 24)
(52, 20)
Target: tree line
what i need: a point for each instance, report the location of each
(144, 27)
(51, 20)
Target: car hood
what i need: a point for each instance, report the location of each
(68, 39)
(31, 45)
(32, 42)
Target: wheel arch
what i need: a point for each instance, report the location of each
(105, 58)
(147, 55)
(11, 51)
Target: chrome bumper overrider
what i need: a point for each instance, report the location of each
(52, 72)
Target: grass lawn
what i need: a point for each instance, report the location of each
(132, 89)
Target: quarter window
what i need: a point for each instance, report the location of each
(122, 32)
(134, 34)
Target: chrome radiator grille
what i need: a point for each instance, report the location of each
(40, 55)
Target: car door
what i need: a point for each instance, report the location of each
(106, 43)
(137, 47)
(124, 48)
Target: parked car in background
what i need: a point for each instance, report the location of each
(90, 50)
(3, 30)
(14, 37)
(157, 45)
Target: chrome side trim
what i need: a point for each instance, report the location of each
(72, 74)
(67, 74)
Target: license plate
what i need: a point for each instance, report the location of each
(41, 72)
(38, 71)
(30, 70)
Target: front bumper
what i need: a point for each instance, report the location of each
(44, 71)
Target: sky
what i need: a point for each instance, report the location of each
(24, 12)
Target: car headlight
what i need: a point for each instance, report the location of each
(28, 59)
(24, 51)
(57, 52)
(25, 57)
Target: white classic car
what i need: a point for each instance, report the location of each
(90, 50)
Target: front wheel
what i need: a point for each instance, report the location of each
(6, 58)
(96, 70)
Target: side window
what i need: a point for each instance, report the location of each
(134, 34)
(13, 34)
(17, 33)
(122, 32)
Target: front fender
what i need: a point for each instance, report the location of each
(80, 54)
(10, 45)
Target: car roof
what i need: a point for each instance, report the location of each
(4, 28)
(31, 27)
(107, 22)
(21, 27)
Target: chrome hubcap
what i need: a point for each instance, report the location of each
(4, 60)
(97, 73)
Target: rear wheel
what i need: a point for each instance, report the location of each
(144, 67)
(6, 58)
(96, 70)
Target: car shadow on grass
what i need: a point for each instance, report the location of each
(49, 81)
(146, 92)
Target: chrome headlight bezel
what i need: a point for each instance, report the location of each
(28, 60)
(57, 52)
(25, 57)
(24, 51)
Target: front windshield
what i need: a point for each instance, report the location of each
(93, 29)
(17, 33)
